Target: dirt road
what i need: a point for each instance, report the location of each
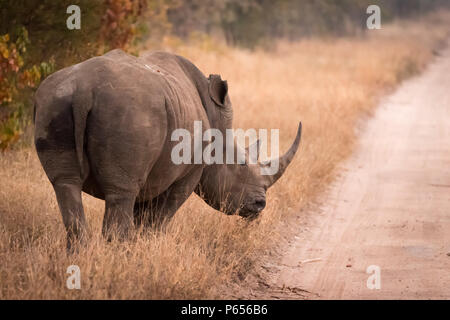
(390, 208)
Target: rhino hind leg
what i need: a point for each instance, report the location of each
(56, 147)
(69, 201)
(118, 219)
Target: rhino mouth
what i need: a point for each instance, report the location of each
(251, 210)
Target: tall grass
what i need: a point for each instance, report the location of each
(328, 84)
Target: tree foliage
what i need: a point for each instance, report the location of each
(16, 76)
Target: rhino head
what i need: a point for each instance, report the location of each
(240, 188)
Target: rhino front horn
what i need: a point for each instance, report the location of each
(286, 159)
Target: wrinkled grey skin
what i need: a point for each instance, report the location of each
(103, 126)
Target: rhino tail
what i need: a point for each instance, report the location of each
(80, 115)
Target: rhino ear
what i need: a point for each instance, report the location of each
(218, 89)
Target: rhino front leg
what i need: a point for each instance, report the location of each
(157, 212)
(118, 219)
(69, 201)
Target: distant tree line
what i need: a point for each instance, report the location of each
(250, 22)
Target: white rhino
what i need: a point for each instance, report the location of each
(103, 126)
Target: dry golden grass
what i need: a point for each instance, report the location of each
(328, 84)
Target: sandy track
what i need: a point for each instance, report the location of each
(390, 207)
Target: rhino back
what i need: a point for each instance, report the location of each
(130, 107)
